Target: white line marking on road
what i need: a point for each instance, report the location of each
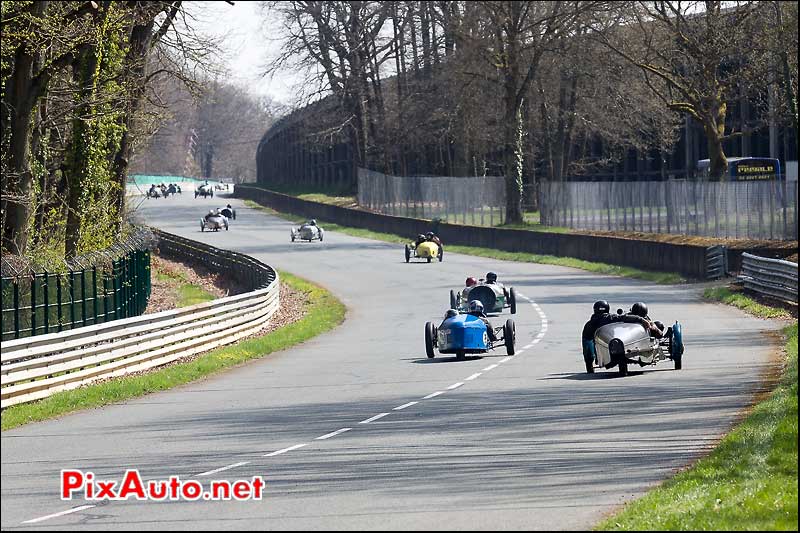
(537, 340)
(527, 346)
(401, 407)
(329, 435)
(290, 448)
(368, 420)
(433, 395)
(62, 513)
(540, 335)
(474, 376)
(504, 359)
(223, 468)
(490, 367)
(455, 385)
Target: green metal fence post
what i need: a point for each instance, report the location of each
(16, 309)
(105, 295)
(58, 303)
(95, 305)
(71, 299)
(46, 289)
(33, 305)
(83, 296)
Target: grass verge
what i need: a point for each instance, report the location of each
(323, 312)
(749, 482)
(188, 294)
(601, 268)
(744, 302)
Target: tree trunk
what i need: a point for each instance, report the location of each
(714, 127)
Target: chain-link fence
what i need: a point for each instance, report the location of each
(470, 200)
(94, 288)
(731, 209)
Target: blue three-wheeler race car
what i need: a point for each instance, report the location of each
(463, 333)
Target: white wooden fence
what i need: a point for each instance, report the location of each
(36, 367)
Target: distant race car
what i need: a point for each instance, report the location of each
(204, 191)
(624, 343)
(308, 232)
(494, 297)
(214, 222)
(424, 250)
(462, 333)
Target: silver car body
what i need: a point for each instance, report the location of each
(637, 344)
(307, 232)
(213, 223)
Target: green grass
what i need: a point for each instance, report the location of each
(601, 268)
(188, 294)
(323, 312)
(744, 302)
(749, 482)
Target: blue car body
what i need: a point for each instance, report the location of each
(463, 333)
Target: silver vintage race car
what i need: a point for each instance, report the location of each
(624, 343)
(204, 191)
(214, 222)
(494, 296)
(308, 232)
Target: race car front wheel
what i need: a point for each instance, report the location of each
(429, 339)
(512, 300)
(509, 332)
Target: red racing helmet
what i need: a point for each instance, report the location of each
(470, 282)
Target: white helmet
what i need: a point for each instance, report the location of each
(475, 306)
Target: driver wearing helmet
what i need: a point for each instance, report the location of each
(470, 282)
(431, 237)
(227, 212)
(475, 308)
(420, 239)
(638, 314)
(212, 213)
(600, 317)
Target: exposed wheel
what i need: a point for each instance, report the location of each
(202, 225)
(429, 339)
(623, 369)
(226, 225)
(293, 236)
(441, 254)
(509, 334)
(512, 300)
(453, 301)
(321, 234)
(234, 214)
(676, 345)
(408, 253)
(461, 355)
(429, 259)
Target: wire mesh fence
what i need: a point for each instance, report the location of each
(731, 209)
(460, 200)
(94, 288)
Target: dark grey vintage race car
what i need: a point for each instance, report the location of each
(625, 343)
(494, 297)
(204, 191)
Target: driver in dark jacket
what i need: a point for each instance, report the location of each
(599, 318)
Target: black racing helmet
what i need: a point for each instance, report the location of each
(491, 277)
(601, 306)
(420, 237)
(639, 309)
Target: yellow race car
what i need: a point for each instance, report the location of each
(424, 250)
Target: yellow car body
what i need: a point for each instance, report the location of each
(424, 250)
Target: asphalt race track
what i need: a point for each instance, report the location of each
(527, 442)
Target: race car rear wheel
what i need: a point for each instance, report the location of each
(512, 301)
(461, 355)
(441, 254)
(408, 254)
(430, 337)
(509, 334)
(453, 302)
(429, 260)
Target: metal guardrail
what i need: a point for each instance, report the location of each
(36, 367)
(716, 262)
(772, 277)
